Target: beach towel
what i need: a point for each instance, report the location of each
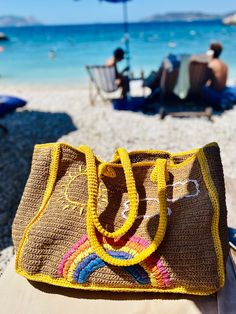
(23, 296)
(228, 98)
(183, 82)
(226, 297)
(223, 100)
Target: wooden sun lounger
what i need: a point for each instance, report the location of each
(198, 72)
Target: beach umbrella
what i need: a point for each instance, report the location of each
(126, 27)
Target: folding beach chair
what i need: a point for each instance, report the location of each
(198, 76)
(102, 81)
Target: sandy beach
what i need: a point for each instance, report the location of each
(62, 113)
(105, 129)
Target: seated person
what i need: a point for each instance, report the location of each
(215, 93)
(170, 63)
(121, 79)
(218, 69)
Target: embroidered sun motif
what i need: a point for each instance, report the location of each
(69, 198)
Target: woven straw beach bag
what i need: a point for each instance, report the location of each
(147, 221)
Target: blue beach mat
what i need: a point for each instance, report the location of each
(133, 104)
(10, 103)
(224, 99)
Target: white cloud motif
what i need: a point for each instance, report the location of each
(182, 183)
(125, 211)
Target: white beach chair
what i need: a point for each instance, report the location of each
(102, 81)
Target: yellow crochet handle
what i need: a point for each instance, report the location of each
(93, 191)
(159, 176)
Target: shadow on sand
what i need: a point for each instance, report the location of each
(25, 129)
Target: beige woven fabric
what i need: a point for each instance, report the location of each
(186, 257)
(20, 296)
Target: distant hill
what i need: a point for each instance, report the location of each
(11, 20)
(230, 19)
(183, 17)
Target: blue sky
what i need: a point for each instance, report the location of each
(89, 11)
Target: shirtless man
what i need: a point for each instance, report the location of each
(218, 69)
(121, 79)
(215, 93)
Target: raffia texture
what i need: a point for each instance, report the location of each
(55, 247)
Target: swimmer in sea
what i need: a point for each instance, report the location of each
(52, 54)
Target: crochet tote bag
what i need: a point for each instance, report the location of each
(147, 221)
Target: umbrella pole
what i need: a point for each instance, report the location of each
(126, 31)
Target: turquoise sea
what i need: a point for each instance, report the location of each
(25, 57)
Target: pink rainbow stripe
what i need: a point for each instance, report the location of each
(158, 270)
(68, 254)
(141, 241)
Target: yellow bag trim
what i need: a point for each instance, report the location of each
(192, 152)
(55, 158)
(93, 287)
(171, 163)
(216, 215)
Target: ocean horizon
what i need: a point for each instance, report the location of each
(28, 58)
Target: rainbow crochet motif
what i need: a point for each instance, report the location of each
(80, 262)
